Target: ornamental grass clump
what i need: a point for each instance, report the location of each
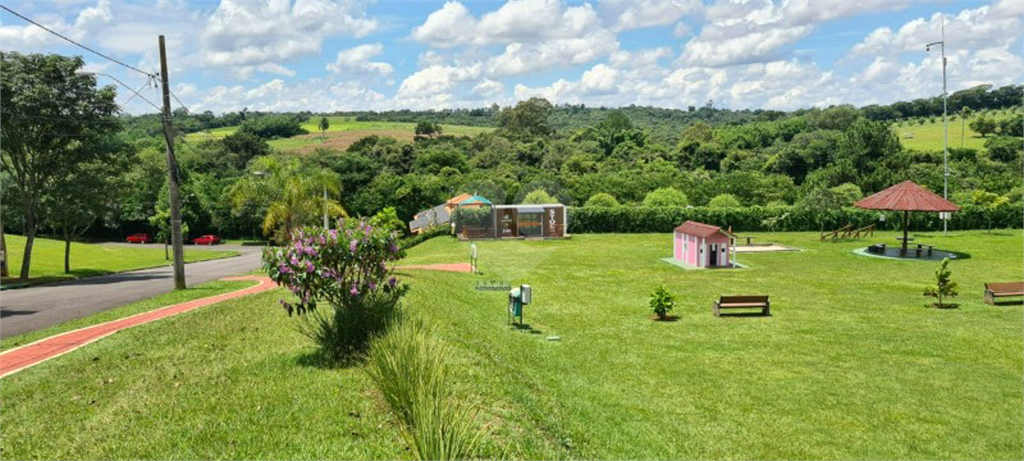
(347, 269)
(411, 368)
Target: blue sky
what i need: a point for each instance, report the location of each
(322, 55)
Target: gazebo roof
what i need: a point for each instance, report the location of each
(907, 196)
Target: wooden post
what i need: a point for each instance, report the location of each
(906, 223)
(173, 181)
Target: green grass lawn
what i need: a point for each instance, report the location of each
(852, 364)
(88, 260)
(929, 136)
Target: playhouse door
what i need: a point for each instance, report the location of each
(713, 255)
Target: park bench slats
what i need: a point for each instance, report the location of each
(742, 302)
(1003, 290)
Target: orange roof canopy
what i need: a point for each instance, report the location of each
(907, 196)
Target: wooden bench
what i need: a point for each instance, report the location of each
(1002, 290)
(742, 302)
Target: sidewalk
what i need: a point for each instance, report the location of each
(25, 356)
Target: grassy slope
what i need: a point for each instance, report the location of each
(929, 135)
(226, 381)
(89, 259)
(342, 127)
(850, 366)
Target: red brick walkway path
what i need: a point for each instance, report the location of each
(452, 267)
(30, 354)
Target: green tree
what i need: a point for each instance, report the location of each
(983, 125)
(724, 201)
(990, 202)
(944, 286)
(54, 122)
(324, 125)
(847, 193)
(292, 193)
(539, 197)
(425, 128)
(161, 220)
(72, 210)
(820, 201)
(666, 197)
(602, 199)
(528, 119)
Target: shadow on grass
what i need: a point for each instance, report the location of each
(667, 318)
(526, 328)
(1019, 302)
(743, 314)
(317, 359)
(944, 306)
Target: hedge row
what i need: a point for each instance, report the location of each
(413, 240)
(786, 219)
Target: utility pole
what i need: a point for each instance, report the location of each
(945, 125)
(173, 184)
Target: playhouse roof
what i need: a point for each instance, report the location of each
(475, 200)
(907, 196)
(699, 229)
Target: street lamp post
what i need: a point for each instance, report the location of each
(945, 125)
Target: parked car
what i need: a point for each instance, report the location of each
(141, 237)
(208, 239)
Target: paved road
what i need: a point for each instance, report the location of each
(29, 309)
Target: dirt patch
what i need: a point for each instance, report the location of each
(763, 248)
(338, 140)
(668, 318)
(451, 267)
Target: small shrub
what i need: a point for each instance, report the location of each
(944, 286)
(602, 199)
(662, 302)
(348, 270)
(724, 201)
(539, 197)
(411, 369)
(666, 197)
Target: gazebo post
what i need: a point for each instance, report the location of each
(906, 223)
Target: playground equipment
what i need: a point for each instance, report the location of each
(848, 231)
(472, 258)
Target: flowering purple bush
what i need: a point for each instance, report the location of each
(347, 269)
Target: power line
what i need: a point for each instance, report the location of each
(76, 43)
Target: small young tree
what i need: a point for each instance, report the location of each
(944, 287)
(539, 197)
(662, 302)
(324, 125)
(724, 201)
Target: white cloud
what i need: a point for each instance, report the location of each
(650, 13)
(599, 79)
(252, 33)
(433, 86)
(972, 28)
(488, 88)
(357, 61)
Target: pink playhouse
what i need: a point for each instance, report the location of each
(703, 245)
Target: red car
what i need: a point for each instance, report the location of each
(208, 239)
(141, 237)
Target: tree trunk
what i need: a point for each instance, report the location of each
(30, 238)
(167, 255)
(3, 248)
(67, 252)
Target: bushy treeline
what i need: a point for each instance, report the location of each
(782, 218)
(981, 97)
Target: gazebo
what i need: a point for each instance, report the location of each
(906, 197)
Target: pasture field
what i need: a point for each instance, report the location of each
(929, 135)
(851, 364)
(88, 259)
(343, 132)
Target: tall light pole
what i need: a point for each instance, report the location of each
(173, 184)
(945, 125)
